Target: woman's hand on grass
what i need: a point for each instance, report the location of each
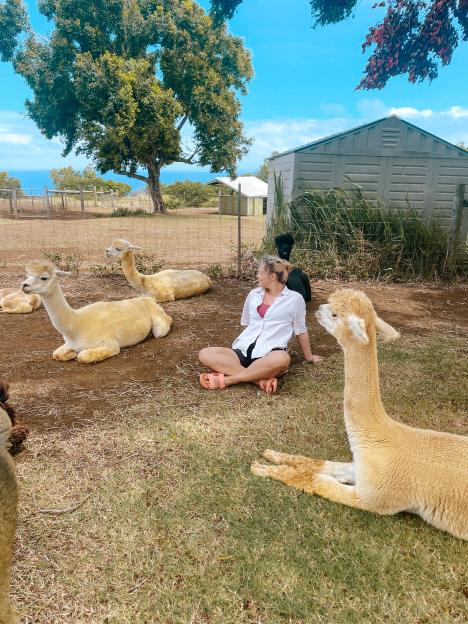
(314, 359)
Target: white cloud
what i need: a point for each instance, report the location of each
(23, 147)
(454, 112)
(11, 138)
(284, 134)
(408, 112)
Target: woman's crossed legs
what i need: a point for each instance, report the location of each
(224, 360)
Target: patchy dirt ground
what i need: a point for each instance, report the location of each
(52, 395)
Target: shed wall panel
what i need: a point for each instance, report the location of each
(390, 160)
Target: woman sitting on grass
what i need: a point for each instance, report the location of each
(272, 313)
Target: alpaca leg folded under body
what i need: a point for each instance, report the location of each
(64, 353)
(88, 356)
(160, 326)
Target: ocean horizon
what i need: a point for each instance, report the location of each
(33, 180)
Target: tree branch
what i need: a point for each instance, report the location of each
(189, 160)
(182, 122)
(36, 34)
(137, 176)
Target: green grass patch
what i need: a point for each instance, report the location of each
(177, 530)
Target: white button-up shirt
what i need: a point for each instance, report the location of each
(285, 316)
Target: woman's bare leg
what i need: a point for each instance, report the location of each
(273, 364)
(221, 360)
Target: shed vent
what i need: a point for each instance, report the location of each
(390, 137)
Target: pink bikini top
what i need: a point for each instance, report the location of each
(262, 309)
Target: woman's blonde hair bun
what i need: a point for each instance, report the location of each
(274, 264)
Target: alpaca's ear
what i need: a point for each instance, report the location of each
(135, 247)
(63, 273)
(358, 327)
(385, 331)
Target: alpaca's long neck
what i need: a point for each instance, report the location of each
(130, 271)
(364, 411)
(60, 313)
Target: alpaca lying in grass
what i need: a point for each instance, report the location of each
(99, 330)
(8, 506)
(167, 285)
(395, 467)
(14, 301)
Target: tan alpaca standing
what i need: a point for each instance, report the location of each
(395, 467)
(8, 504)
(14, 301)
(167, 285)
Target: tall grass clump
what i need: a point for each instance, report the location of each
(280, 221)
(342, 234)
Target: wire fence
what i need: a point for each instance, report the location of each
(63, 204)
(186, 237)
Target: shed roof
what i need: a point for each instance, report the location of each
(251, 186)
(332, 137)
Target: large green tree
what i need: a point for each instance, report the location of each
(118, 80)
(412, 39)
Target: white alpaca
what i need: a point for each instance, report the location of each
(14, 301)
(395, 467)
(167, 285)
(97, 331)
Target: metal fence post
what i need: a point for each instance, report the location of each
(14, 204)
(82, 203)
(455, 226)
(47, 202)
(239, 233)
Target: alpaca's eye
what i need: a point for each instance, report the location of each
(334, 315)
(44, 279)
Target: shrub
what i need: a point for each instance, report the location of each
(128, 212)
(70, 263)
(148, 263)
(190, 194)
(7, 182)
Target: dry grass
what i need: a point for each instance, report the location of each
(181, 238)
(177, 530)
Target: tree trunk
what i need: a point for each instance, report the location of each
(155, 188)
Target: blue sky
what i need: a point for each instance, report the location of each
(303, 89)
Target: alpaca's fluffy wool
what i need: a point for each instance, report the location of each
(99, 330)
(14, 301)
(167, 285)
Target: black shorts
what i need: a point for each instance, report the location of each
(246, 360)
